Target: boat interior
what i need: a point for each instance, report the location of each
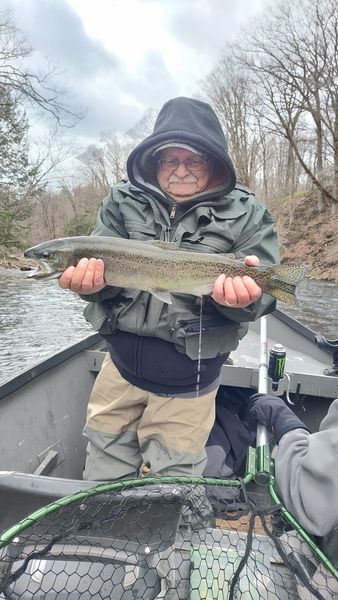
(43, 449)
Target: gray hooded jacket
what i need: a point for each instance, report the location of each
(306, 467)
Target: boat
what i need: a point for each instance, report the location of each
(43, 452)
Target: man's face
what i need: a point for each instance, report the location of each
(179, 179)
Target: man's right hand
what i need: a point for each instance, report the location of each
(86, 278)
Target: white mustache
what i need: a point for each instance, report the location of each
(188, 179)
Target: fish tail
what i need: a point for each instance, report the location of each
(283, 280)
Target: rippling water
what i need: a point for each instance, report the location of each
(36, 320)
(39, 318)
(317, 306)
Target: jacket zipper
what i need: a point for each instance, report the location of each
(168, 229)
(193, 325)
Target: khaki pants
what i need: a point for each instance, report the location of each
(127, 427)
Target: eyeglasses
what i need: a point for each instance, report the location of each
(191, 164)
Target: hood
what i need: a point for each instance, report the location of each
(186, 121)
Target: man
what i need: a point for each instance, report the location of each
(306, 464)
(145, 407)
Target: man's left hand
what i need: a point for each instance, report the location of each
(237, 292)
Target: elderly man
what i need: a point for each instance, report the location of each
(145, 407)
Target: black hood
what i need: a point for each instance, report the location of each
(187, 121)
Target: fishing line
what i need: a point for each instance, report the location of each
(199, 355)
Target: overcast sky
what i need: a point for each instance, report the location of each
(119, 57)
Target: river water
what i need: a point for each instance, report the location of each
(39, 318)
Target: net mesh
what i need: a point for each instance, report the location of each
(170, 540)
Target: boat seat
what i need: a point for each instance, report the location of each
(122, 547)
(23, 493)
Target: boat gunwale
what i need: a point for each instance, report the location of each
(28, 375)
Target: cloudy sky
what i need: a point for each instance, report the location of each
(119, 57)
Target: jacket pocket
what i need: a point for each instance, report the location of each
(216, 232)
(219, 336)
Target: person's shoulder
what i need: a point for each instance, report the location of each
(243, 193)
(123, 190)
(243, 196)
(244, 189)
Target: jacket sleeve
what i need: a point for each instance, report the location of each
(108, 223)
(258, 237)
(306, 468)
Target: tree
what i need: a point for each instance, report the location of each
(232, 100)
(144, 126)
(25, 86)
(292, 59)
(106, 164)
(22, 180)
(13, 141)
(15, 172)
(94, 168)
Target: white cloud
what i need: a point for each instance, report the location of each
(120, 57)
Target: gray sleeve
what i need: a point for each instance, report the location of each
(259, 237)
(307, 474)
(108, 223)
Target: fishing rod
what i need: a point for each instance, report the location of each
(263, 465)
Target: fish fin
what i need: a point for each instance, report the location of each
(231, 256)
(283, 281)
(203, 290)
(165, 297)
(163, 245)
(41, 275)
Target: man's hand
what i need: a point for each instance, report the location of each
(237, 292)
(85, 278)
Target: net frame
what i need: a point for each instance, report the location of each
(14, 532)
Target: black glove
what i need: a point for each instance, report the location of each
(274, 413)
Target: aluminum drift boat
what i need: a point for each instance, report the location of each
(43, 411)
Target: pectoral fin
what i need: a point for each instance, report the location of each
(163, 296)
(204, 290)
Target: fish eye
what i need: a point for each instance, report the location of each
(45, 254)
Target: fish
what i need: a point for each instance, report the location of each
(159, 267)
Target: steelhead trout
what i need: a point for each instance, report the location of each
(160, 267)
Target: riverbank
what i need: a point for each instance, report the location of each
(305, 235)
(12, 258)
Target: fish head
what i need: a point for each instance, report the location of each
(52, 257)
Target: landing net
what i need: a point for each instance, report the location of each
(173, 538)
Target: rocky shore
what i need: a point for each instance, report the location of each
(12, 258)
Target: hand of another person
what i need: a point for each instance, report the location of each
(237, 292)
(85, 278)
(274, 413)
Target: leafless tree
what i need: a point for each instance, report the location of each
(144, 126)
(36, 88)
(232, 100)
(94, 168)
(292, 59)
(116, 151)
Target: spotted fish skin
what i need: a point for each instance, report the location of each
(156, 266)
